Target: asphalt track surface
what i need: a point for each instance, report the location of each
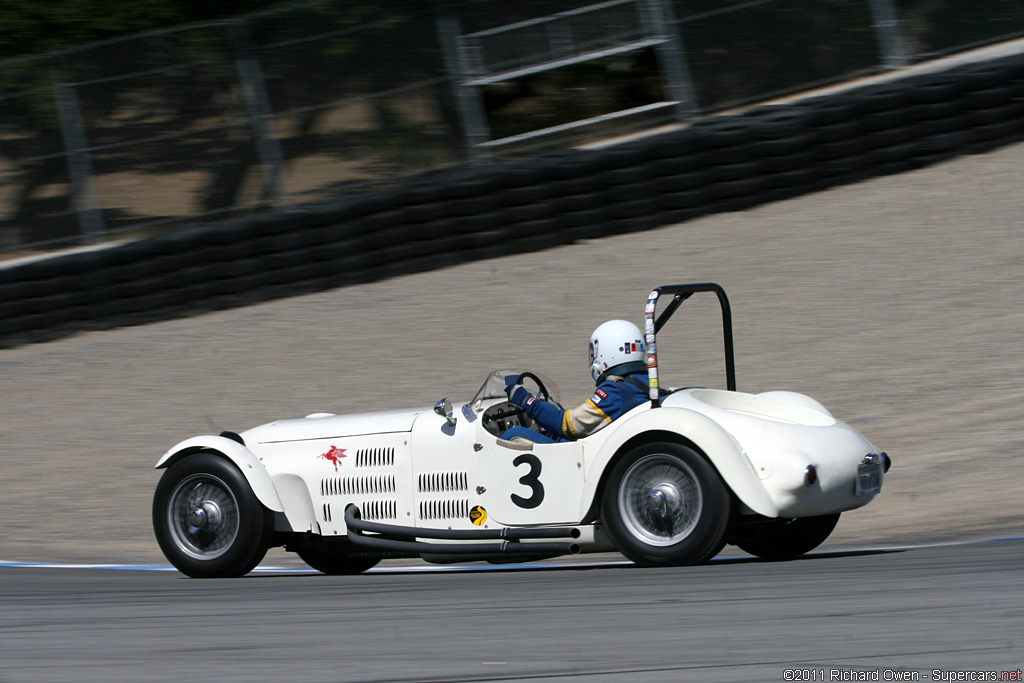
(949, 608)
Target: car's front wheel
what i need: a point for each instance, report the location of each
(207, 520)
(786, 539)
(664, 504)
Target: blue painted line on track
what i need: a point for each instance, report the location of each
(276, 570)
(70, 565)
(292, 570)
(445, 568)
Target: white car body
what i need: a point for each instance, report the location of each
(780, 455)
(760, 444)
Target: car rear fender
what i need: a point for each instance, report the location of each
(691, 428)
(253, 470)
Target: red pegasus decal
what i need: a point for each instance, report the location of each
(334, 455)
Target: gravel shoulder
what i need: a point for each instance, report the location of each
(896, 302)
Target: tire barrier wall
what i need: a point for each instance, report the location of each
(724, 163)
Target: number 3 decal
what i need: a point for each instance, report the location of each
(531, 479)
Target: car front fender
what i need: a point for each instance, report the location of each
(253, 470)
(680, 424)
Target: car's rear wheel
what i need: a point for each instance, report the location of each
(786, 539)
(664, 504)
(336, 563)
(207, 520)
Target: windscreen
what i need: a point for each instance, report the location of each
(494, 386)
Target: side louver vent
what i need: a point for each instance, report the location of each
(438, 482)
(444, 509)
(375, 457)
(379, 509)
(327, 512)
(359, 485)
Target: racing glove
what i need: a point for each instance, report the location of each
(522, 398)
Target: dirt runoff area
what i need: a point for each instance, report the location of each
(898, 303)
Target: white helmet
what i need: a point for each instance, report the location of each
(614, 343)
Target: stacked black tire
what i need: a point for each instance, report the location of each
(725, 163)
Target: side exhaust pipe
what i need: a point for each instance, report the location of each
(403, 539)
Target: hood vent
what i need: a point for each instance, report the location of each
(375, 457)
(444, 509)
(440, 482)
(379, 509)
(360, 485)
(370, 509)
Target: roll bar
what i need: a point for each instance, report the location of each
(652, 326)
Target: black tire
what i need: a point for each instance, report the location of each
(680, 182)
(665, 505)
(688, 200)
(786, 539)
(882, 96)
(336, 563)
(208, 521)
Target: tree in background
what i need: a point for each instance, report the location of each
(158, 94)
(42, 25)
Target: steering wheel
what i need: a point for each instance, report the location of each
(542, 393)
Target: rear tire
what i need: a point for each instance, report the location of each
(786, 539)
(207, 520)
(664, 505)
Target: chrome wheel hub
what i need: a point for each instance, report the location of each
(203, 516)
(660, 500)
(207, 513)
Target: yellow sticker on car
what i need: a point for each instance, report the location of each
(478, 515)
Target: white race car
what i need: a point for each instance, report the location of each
(669, 483)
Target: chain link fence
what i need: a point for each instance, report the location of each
(200, 122)
(205, 121)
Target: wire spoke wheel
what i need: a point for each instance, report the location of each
(207, 519)
(664, 504)
(203, 517)
(660, 499)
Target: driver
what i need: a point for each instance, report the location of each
(618, 367)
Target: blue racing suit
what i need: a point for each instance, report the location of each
(615, 396)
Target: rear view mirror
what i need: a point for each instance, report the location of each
(444, 409)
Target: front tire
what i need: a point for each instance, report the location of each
(207, 520)
(664, 505)
(787, 539)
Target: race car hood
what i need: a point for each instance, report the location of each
(326, 426)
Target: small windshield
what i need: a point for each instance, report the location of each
(494, 386)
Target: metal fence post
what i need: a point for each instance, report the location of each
(472, 116)
(257, 103)
(76, 146)
(658, 19)
(891, 46)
